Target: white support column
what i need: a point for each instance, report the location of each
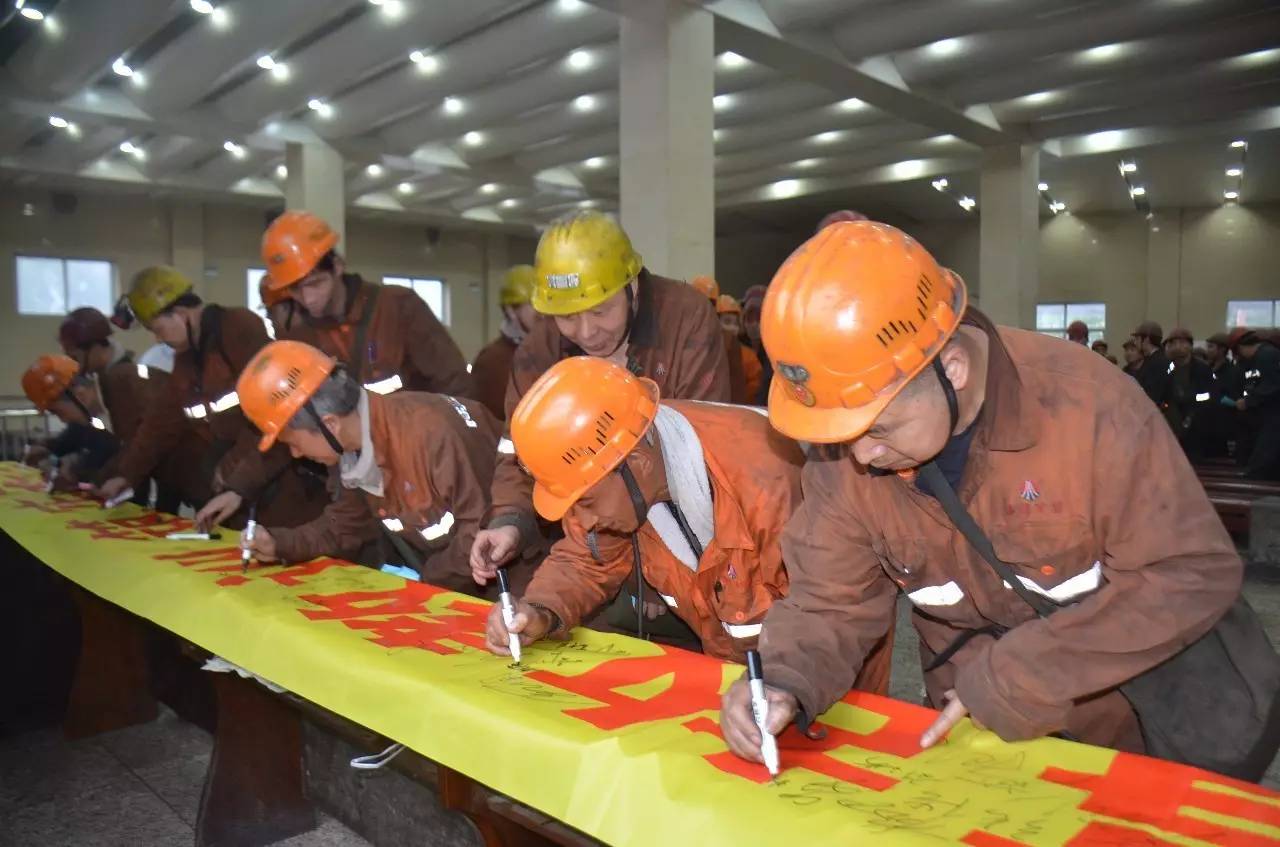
(1009, 263)
(667, 166)
(186, 241)
(316, 184)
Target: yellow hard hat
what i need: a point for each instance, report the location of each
(155, 289)
(518, 286)
(583, 259)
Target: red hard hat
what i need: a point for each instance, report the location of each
(83, 327)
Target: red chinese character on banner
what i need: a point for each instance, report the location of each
(154, 524)
(410, 598)
(294, 575)
(1149, 791)
(53, 506)
(214, 555)
(695, 686)
(899, 736)
(100, 530)
(430, 633)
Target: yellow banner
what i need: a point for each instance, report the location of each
(615, 736)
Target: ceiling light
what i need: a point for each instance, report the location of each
(31, 13)
(1058, 207)
(219, 17)
(489, 188)
(374, 170)
(1237, 171)
(580, 60)
(722, 101)
(320, 107)
(570, 7)
(730, 60)
(828, 137)
(585, 103)
(234, 149)
(426, 63)
(851, 104)
(806, 163)
(586, 204)
(73, 130)
(1239, 143)
(1044, 186)
(1102, 53)
(282, 171)
(509, 203)
(133, 150)
(405, 188)
(121, 67)
(1231, 195)
(1128, 167)
(266, 62)
(940, 184)
(280, 71)
(473, 139)
(785, 188)
(943, 139)
(595, 162)
(453, 106)
(909, 169)
(946, 46)
(1038, 98)
(717, 134)
(1258, 57)
(204, 7)
(967, 203)
(391, 9)
(55, 121)
(1138, 191)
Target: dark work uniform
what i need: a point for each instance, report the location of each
(1154, 375)
(90, 448)
(1262, 398)
(1221, 417)
(1190, 397)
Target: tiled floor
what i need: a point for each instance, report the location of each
(137, 787)
(140, 787)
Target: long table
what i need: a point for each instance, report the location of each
(614, 736)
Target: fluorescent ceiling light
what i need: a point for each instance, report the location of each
(946, 47)
(1239, 143)
(722, 101)
(585, 103)
(204, 7)
(1237, 171)
(828, 137)
(489, 188)
(282, 171)
(1128, 167)
(1138, 191)
(785, 188)
(453, 106)
(851, 104)
(473, 139)
(405, 188)
(509, 203)
(1231, 195)
(967, 203)
(1044, 186)
(55, 121)
(580, 60)
(374, 170)
(730, 60)
(595, 162)
(806, 163)
(266, 62)
(121, 67)
(941, 183)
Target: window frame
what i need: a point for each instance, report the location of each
(1275, 312)
(1094, 334)
(113, 293)
(445, 299)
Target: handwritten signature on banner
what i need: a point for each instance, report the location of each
(974, 790)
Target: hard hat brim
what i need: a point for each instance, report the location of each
(820, 426)
(267, 441)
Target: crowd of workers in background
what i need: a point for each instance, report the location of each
(612, 454)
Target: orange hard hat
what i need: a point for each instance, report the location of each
(726, 303)
(854, 313)
(576, 424)
(271, 296)
(708, 286)
(47, 379)
(293, 245)
(279, 381)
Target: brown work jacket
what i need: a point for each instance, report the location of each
(402, 338)
(491, 372)
(755, 485)
(737, 379)
(1081, 487)
(436, 455)
(675, 341)
(199, 406)
(752, 372)
(128, 390)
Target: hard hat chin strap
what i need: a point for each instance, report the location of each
(642, 516)
(334, 444)
(949, 391)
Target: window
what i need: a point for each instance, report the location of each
(49, 286)
(253, 299)
(1054, 318)
(430, 290)
(1259, 314)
